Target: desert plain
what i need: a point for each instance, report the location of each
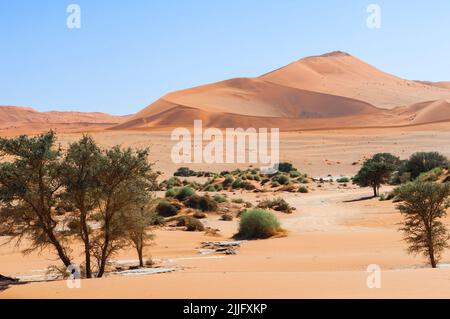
(334, 234)
(334, 112)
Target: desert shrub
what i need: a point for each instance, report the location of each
(285, 167)
(343, 180)
(278, 204)
(184, 172)
(227, 217)
(237, 183)
(220, 198)
(405, 177)
(275, 184)
(166, 209)
(281, 179)
(211, 188)
(257, 178)
(156, 220)
(193, 224)
(423, 162)
(431, 176)
(171, 192)
(265, 181)
(258, 224)
(228, 181)
(184, 193)
(295, 174)
(303, 189)
(303, 180)
(237, 200)
(207, 204)
(173, 182)
(248, 186)
(204, 203)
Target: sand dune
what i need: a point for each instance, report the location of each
(426, 112)
(329, 91)
(16, 114)
(339, 73)
(19, 120)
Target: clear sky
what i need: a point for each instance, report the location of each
(129, 53)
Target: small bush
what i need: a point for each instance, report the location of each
(184, 172)
(171, 192)
(219, 198)
(277, 204)
(204, 203)
(237, 200)
(281, 179)
(275, 184)
(184, 193)
(227, 217)
(228, 181)
(167, 209)
(294, 174)
(285, 167)
(211, 189)
(258, 224)
(193, 224)
(431, 176)
(343, 180)
(303, 189)
(237, 183)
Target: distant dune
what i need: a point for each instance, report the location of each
(328, 91)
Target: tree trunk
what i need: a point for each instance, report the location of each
(375, 191)
(85, 237)
(141, 260)
(61, 253)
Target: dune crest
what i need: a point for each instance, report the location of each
(328, 91)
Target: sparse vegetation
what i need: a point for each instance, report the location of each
(423, 205)
(258, 224)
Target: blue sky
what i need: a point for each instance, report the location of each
(129, 53)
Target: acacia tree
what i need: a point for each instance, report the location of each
(137, 219)
(376, 171)
(125, 177)
(29, 191)
(424, 204)
(79, 171)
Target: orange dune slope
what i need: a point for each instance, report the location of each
(328, 91)
(22, 115)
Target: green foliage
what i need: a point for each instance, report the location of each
(204, 203)
(171, 192)
(303, 189)
(258, 224)
(295, 174)
(184, 193)
(281, 179)
(285, 167)
(423, 205)
(166, 209)
(237, 200)
(343, 180)
(191, 223)
(431, 176)
(278, 204)
(376, 171)
(220, 198)
(423, 162)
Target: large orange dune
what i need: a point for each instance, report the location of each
(328, 91)
(16, 119)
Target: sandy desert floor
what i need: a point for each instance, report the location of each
(332, 236)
